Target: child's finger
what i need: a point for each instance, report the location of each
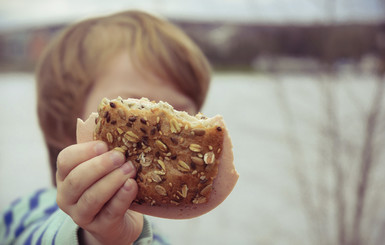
(73, 155)
(120, 202)
(86, 174)
(95, 197)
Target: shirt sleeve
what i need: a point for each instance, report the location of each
(36, 219)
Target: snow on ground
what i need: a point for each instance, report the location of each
(264, 206)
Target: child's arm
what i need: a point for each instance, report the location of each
(36, 219)
(95, 188)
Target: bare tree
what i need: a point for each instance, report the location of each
(339, 207)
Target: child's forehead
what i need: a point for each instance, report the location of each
(123, 70)
(121, 78)
(139, 89)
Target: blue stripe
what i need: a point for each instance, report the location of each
(159, 239)
(29, 239)
(41, 236)
(8, 219)
(48, 211)
(14, 203)
(57, 231)
(54, 237)
(51, 210)
(33, 203)
(38, 223)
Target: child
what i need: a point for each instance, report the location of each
(129, 54)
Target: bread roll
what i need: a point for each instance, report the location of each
(184, 163)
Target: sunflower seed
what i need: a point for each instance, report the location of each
(174, 202)
(120, 131)
(143, 161)
(195, 147)
(131, 136)
(147, 150)
(183, 192)
(110, 138)
(160, 172)
(161, 145)
(199, 200)
(209, 157)
(197, 160)
(199, 132)
(160, 190)
(174, 126)
(120, 149)
(126, 142)
(156, 178)
(206, 190)
(163, 166)
(182, 166)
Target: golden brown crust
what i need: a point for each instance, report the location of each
(176, 158)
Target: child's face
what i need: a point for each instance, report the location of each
(121, 79)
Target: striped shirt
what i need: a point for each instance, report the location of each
(36, 219)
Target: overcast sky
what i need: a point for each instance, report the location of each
(34, 12)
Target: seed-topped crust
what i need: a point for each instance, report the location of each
(175, 154)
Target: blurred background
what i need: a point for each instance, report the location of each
(300, 84)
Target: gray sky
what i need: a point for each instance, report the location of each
(15, 13)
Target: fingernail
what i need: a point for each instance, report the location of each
(117, 158)
(128, 185)
(127, 168)
(100, 148)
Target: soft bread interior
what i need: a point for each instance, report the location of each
(144, 103)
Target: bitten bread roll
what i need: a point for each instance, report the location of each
(184, 163)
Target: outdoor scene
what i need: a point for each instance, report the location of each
(300, 85)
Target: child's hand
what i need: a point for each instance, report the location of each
(95, 187)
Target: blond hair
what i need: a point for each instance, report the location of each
(70, 65)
